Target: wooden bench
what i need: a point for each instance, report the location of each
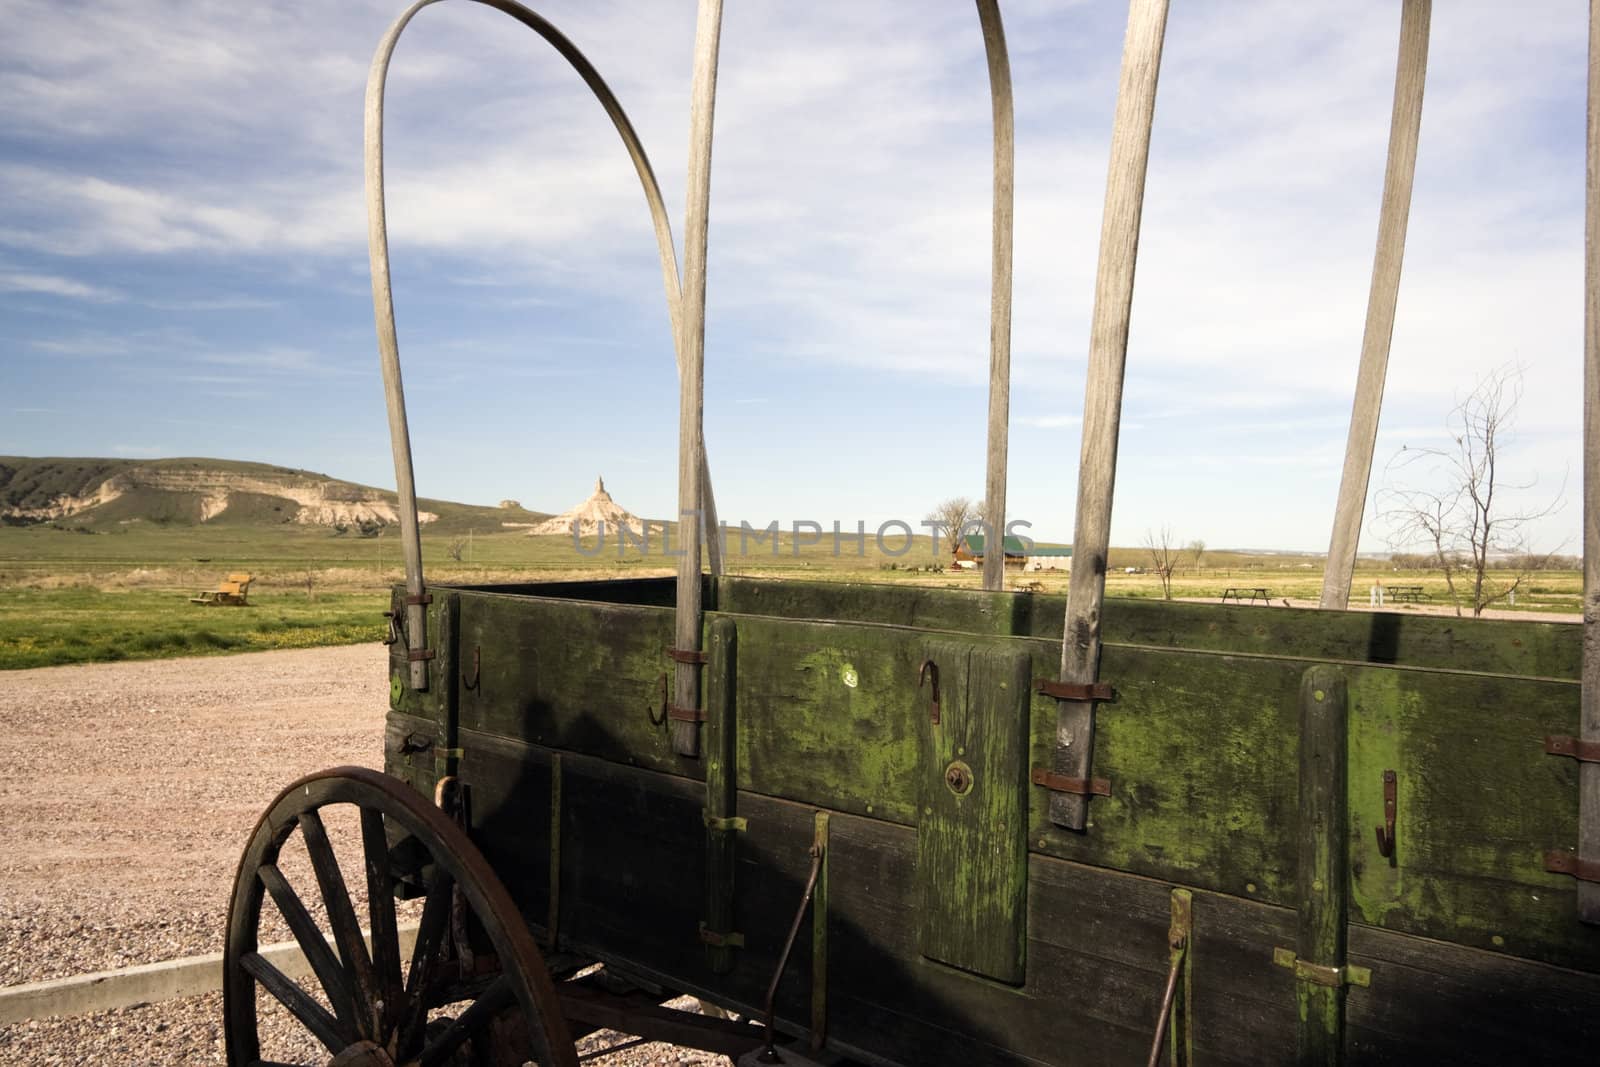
(1238, 594)
(235, 590)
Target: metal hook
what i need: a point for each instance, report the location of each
(472, 683)
(654, 720)
(1385, 833)
(928, 666)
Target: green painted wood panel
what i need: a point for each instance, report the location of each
(1533, 649)
(1200, 748)
(972, 846)
(575, 676)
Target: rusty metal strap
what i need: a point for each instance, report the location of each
(1070, 691)
(424, 598)
(686, 655)
(677, 714)
(716, 940)
(1579, 749)
(1558, 861)
(415, 654)
(1060, 783)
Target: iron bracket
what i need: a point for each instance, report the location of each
(422, 599)
(1559, 861)
(929, 667)
(1385, 832)
(1071, 691)
(1321, 974)
(686, 655)
(1060, 783)
(1575, 747)
(716, 940)
(737, 824)
(416, 654)
(678, 714)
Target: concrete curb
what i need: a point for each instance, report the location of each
(147, 983)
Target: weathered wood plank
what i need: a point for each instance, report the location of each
(1534, 649)
(722, 775)
(994, 500)
(583, 677)
(1097, 950)
(972, 840)
(1102, 404)
(691, 372)
(1589, 773)
(1323, 883)
(1384, 297)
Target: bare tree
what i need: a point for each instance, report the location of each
(1165, 557)
(1197, 549)
(455, 548)
(1451, 500)
(957, 517)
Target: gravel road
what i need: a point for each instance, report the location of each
(126, 793)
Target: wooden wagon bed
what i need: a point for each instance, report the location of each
(968, 927)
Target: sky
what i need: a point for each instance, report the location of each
(183, 265)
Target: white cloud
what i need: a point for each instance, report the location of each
(53, 285)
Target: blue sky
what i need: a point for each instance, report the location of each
(183, 262)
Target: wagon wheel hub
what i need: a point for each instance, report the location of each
(362, 1054)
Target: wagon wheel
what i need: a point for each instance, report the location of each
(379, 1016)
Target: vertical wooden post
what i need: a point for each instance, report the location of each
(1180, 1032)
(1102, 404)
(389, 357)
(553, 921)
(449, 680)
(1324, 877)
(1382, 300)
(722, 778)
(1589, 773)
(994, 501)
(691, 380)
(819, 938)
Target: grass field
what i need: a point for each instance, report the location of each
(70, 597)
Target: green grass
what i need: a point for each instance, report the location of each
(67, 597)
(46, 627)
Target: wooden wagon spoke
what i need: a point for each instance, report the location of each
(424, 956)
(380, 910)
(313, 1016)
(324, 964)
(342, 917)
(494, 1000)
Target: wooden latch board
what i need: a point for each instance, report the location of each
(972, 843)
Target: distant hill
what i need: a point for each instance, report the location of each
(104, 493)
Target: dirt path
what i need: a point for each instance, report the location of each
(127, 791)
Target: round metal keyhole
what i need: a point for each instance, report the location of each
(958, 776)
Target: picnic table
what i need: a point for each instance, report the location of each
(1239, 593)
(1413, 593)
